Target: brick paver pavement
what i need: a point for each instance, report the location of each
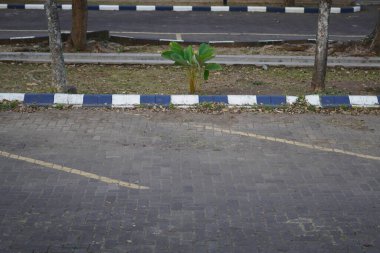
(209, 191)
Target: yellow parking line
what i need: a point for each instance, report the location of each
(73, 171)
(289, 142)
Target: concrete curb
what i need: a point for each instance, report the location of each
(95, 35)
(130, 101)
(129, 40)
(136, 58)
(269, 9)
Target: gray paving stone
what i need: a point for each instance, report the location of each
(209, 191)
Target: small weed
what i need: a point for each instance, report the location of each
(311, 108)
(34, 106)
(219, 107)
(344, 107)
(207, 106)
(331, 91)
(301, 100)
(59, 106)
(120, 50)
(171, 106)
(52, 89)
(211, 106)
(8, 105)
(147, 106)
(301, 103)
(268, 108)
(258, 83)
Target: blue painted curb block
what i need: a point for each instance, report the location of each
(97, 100)
(311, 10)
(93, 7)
(201, 8)
(164, 8)
(271, 100)
(238, 8)
(213, 99)
(39, 99)
(147, 99)
(268, 9)
(276, 9)
(155, 100)
(16, 6)
(163, 100)
(335, 101)
(123, 100)
(127, 8)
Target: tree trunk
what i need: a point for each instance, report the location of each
(320, 63)
(79, 24)
(290, 2)
(375, 45)
(55, 44)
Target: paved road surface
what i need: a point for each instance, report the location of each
(210, 190)
(197, 26)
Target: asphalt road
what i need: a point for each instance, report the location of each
(205, 186)
(196, 26)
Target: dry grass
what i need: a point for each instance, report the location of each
(146, 79)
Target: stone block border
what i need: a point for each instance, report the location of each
(188, 8)
(125, 101)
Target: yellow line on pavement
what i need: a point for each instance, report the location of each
(289, 142)
(73, 171)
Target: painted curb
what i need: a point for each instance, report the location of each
(268, 9)
(130, 101)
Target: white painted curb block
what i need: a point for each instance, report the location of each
(184, 99)
(109, 7)
(363, 101)
(291, 99)
(242, 100)
(125, 100)
(313, 100)
(12, 96)
(257, 9)
(68, 99)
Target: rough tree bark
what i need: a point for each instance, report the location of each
(290, 2)
(55, 44)
(320, 63)
(375, 44)
(79, 24)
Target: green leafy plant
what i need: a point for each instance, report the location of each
(59, 106)
(195, 62)
(171, 106)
